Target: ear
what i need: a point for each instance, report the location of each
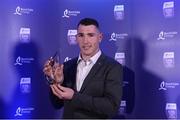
(100, 37)
(76, 38)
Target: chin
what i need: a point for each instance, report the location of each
(87, 53)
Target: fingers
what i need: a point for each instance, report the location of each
(47, 68)
(58, 73)
(62, 66)
(53, 90)
(55, 70)
(61, 87)
(56, 91)
(47, 63)
(64, 93)
(58, 66)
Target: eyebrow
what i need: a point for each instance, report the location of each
(86, 33)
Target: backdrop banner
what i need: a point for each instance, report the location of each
(141, 35)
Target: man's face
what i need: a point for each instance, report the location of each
(88, 38)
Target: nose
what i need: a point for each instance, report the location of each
(85, 40)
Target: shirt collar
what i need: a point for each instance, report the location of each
(94, 58)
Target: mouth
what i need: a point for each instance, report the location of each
(86, 47)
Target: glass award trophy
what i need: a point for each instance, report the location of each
(54, 59)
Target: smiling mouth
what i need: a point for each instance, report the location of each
(86, 47)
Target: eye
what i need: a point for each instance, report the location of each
(80, 35)
(91, 34)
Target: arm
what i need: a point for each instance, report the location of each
(55, 73)
(106, 104)
(56, 102)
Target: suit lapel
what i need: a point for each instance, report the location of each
(71, 79)
(74, 70)
(92, 72)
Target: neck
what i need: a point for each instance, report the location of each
(87, 57)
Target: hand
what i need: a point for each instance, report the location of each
(61, 92)
(54, 71)
(48, 69)
(58, 73)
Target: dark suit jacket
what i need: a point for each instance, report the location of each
(100, 94)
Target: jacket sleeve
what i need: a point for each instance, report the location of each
(56, 102)
(107, 104)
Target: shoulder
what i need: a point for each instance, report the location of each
(71, 62)
(112, 68)
(110, 61)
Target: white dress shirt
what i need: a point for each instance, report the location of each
(84, 67)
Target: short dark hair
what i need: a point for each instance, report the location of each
(88, 21)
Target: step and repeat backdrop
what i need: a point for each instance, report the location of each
(141, 35)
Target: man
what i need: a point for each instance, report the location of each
(89, 86)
